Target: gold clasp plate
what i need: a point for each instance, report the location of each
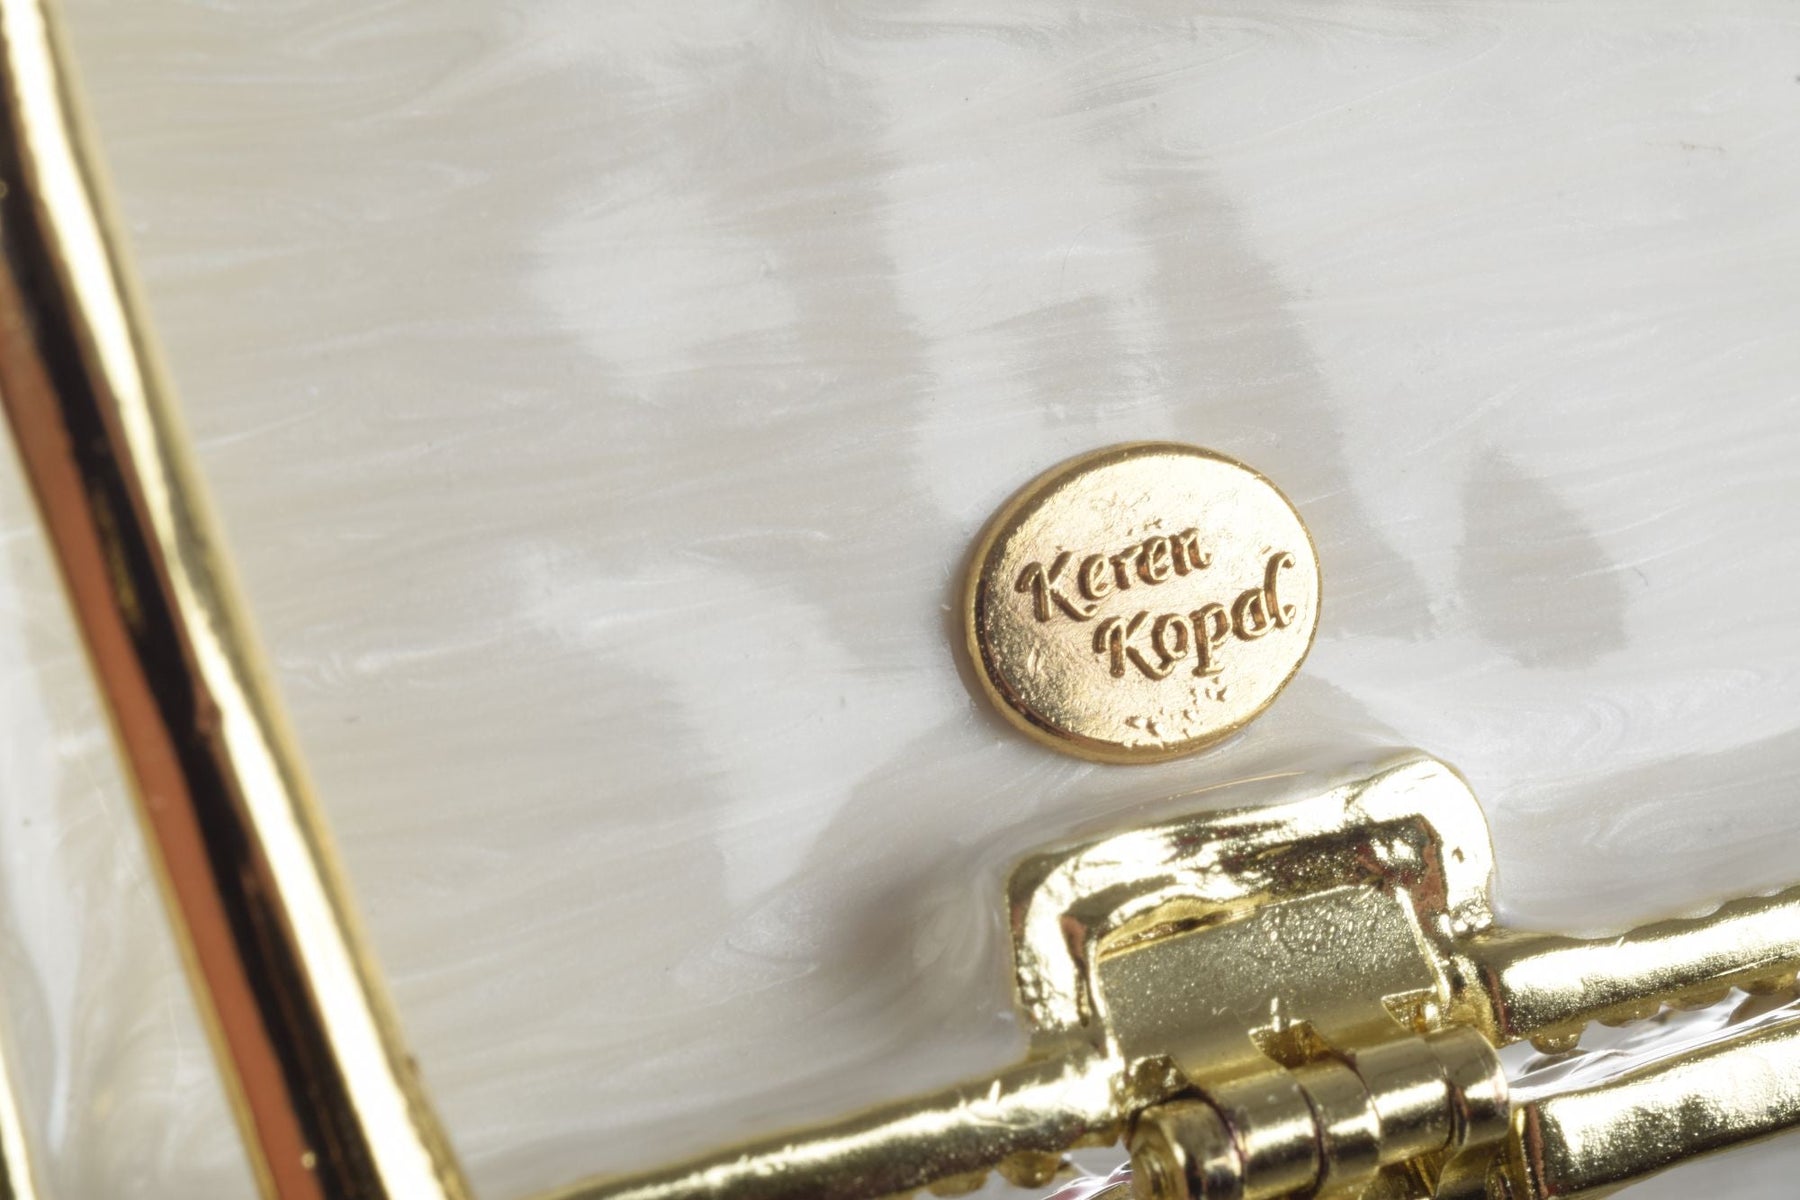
(1308, 1000)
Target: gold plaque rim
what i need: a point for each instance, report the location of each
(974, 591)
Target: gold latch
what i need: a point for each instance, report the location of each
(1309, 1000)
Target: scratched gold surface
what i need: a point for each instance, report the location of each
(1141, 602)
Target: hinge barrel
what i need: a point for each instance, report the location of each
(1591, 1141)
(1547, 987)
(1020, 1121)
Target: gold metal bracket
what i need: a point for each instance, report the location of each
(1308, 1000)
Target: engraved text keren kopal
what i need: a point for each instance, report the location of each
(1141, 602)
(1155, 643)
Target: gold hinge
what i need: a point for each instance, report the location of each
(1308, 1000)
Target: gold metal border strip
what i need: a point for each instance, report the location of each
(322, 1085)
(18, 1176)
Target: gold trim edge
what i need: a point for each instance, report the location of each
(325, 1093)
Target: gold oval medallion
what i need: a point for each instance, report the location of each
(1141, 602)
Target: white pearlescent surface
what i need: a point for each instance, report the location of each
(600, 400)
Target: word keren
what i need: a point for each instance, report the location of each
(1153, 560)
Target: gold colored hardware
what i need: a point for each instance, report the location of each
(1590, 1141)
(18, 1178)
(1304, 999)
(1308, 1000)
(1141, 602)
(326, 1095)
